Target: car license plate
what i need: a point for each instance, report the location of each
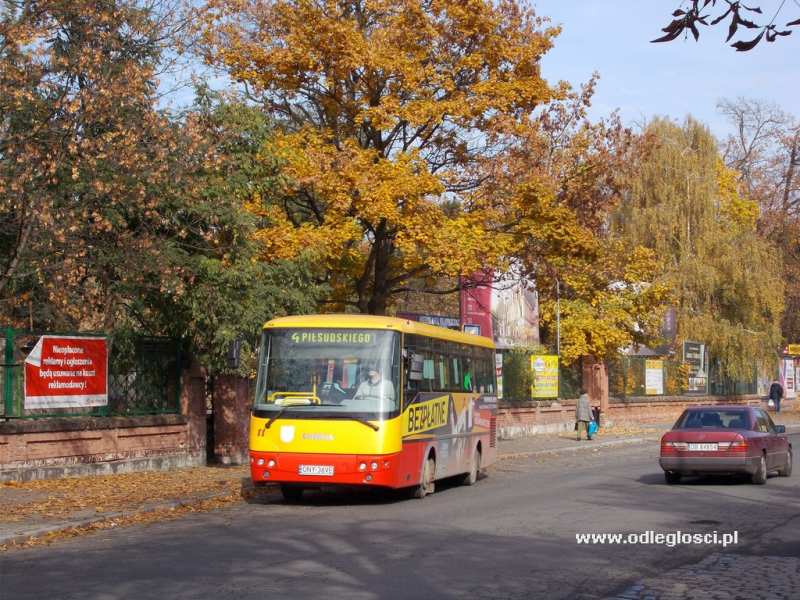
(325, 470)
(703, 447)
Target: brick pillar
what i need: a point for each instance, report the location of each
(193, 405)
(595, 380)
(232, 402)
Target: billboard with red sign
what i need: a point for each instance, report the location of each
(502, 306)
(476, 303)
(67, 372)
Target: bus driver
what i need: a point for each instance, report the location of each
(375, 388)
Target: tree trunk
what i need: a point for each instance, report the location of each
(373, 287)
(21, 244)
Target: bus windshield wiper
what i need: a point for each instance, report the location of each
(276, 416)
(359, 419)
(279, 414)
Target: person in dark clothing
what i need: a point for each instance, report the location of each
(776, 394)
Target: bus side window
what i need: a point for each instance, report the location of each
(418, 365)
(410, 373)
(479, 360)
(424, 353)
(468, 366)
(440, 370)
(457, 363)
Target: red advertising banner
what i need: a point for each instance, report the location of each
(476, 303)
(67, 372)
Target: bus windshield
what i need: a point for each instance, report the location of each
(350, 371)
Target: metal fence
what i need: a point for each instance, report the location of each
(143, 376)
(517, 380)
(627, 377)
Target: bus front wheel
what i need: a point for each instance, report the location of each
(427, 485)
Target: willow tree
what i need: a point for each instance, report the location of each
(726, 279)
(395, 114)
(766, 151)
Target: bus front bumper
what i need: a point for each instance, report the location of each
(324, 469)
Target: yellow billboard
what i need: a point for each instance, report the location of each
(544, 376)
(654, 377)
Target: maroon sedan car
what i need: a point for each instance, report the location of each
(725, 439)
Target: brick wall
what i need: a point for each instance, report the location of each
(59, 447)
(233, 398)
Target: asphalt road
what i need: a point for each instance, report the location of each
(511, 536)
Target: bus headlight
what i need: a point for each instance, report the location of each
(362, 466)
(260, 462)
(271, 463)
(373, 466)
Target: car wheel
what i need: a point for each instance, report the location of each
(786, 471)
(427, 485)
(671, 477)
(760, 476)
(471, 478)
(291, 493)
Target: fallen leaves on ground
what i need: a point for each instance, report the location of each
(117, 493)
(139, 518)
(622, 430)
(626, 429)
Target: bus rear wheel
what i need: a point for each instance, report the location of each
(471, 478)
(427, 485)
(291, 493)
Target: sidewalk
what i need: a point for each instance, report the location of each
(40, 512)
(566, 442)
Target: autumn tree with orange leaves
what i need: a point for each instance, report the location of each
(609, 289)
(396, 113)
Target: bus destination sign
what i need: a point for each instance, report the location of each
(339, 338)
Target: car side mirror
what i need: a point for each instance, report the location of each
(780, 428)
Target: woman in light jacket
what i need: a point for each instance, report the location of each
(583, 414)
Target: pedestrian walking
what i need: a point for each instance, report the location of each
(583, 415)
(776, 394)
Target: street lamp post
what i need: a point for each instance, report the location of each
(558, 318)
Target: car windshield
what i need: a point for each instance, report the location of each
(712, 418)
(347, 371)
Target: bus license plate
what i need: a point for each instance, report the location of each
(703, 447)
(325, 470)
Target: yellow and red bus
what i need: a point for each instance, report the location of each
(360, 400)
